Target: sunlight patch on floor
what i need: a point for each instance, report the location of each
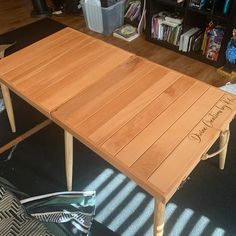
(124, 208)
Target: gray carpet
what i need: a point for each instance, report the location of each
(204, 206)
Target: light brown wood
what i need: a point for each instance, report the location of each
(159, 218)
(187, 111)
(116, 123)
(47, 76)
(145, 139)
(223, 143)
(69, 159)
(27, 134)
(187, 154)
(128, 132)
(8, 105)
(14, 14)
(109, 87)
(150, 122)
(137, 97)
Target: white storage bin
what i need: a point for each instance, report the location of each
(103, 19)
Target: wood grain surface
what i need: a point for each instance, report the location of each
(53, 70)
(150, 122)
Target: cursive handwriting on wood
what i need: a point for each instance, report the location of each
(211, 117)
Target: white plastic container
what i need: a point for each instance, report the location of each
(103, 19)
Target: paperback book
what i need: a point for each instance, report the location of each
(167, 27)
(126, 32)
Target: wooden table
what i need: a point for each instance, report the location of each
(152, 123)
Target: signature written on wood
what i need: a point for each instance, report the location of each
(223, 105)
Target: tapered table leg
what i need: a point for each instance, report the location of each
(69, 159)
(159, 215)
(8, 104)
(222, 155)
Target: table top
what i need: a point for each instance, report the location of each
(46, 73)
(150, 122)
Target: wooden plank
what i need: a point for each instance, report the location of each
(22, 56)
(144, 140)
(25, 135)
(55, 86)
(117, 121)
(89, 74)
(131, 110)
(120, 109)
(40, 60)
(109, 86)
(159, 151)
(188, 153)
(57, 69)
(123, 136)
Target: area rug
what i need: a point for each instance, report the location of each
(204, 206)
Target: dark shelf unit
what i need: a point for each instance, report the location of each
(133, 23)
(171, 3)
(209, 14)
(193, 18)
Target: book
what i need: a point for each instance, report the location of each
(166, 27)
(216, 36)
(197, 43)
(177, 35)
(134, 10)
(192, 39)
(174, 19)
(126, 32)
(185, 39)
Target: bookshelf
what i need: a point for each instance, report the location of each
(128, 20)
(193, 17)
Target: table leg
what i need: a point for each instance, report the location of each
(8, 104)
(222, 155)
(159, 213)
(69, 159)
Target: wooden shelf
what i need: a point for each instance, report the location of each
(172, 3)
(194, 55)
(135, 22)
(193, 18)
(164, 44)
(202, 58)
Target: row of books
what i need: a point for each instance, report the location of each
(219, 6)
(133, 10)
(166, 27)
(208, 42)
(191, 40)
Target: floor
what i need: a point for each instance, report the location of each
(16, 13)
(205, 206)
